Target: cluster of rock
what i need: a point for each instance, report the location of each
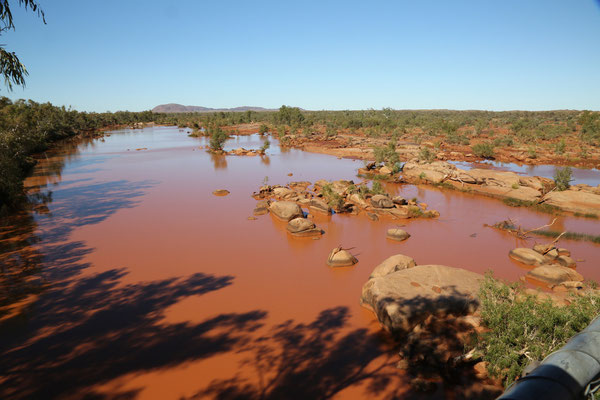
(372, 169)
(580, 198)
(552, 267)
(341, 197)
(245, 152)
(291, 213)
(403, 294)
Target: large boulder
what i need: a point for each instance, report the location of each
(340, 258)
(286, 210)
(527, 256)
(302, 227)
(397, 234)
(403, 299)
(554, 274)
(381, 201)
(392, 264)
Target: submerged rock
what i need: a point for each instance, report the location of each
(341, 258)
(221, 192)
(405, 298)
(397, 234)
(286, 210)
(527, 256)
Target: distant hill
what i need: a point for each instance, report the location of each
(178, 108)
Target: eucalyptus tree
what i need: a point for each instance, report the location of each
(11, 68)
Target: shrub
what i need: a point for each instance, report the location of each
(334, 200)
(376, 188)
(532, 153)
(217, 139)
(522, 328)
(386, 154)
(426, 155)
(485, 150)
(559, 148)
(262, 129)
(562, 178)
(265, 145)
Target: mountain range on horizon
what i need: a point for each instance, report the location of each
(179, 108)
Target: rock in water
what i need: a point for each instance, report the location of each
(221, 192)
(554, 274)
(397, 234)
(286, 210)
(392, 264)
(341, 258)
(403, 299)
(302, 227)
(527, 256)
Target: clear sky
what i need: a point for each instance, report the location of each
(480, 54)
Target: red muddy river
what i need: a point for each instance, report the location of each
(157, 289)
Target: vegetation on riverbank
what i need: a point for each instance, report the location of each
(522, 328)
(28, 128)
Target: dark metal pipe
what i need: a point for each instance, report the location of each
(564, 374)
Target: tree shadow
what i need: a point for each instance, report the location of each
(95, 329)
(308, 361)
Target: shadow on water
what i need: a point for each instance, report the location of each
(307, 361)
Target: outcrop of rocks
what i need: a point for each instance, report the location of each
(553, 266)
(343, 197)
(504, 184)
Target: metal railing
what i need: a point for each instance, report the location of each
(572, 372)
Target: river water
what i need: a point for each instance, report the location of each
(154, 288)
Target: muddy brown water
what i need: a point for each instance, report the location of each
(157, 289)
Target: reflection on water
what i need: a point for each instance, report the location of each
(219, 161)
(587, 176)
(142, 284)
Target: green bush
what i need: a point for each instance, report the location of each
(522, 328)
(334, 200)
(387, 154)
(562, 178)
(262, 129)
(559, 148)
(217, 139)
(485, 150)
(426, 155)
(266, 145)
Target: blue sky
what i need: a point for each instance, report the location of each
(479, 54)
